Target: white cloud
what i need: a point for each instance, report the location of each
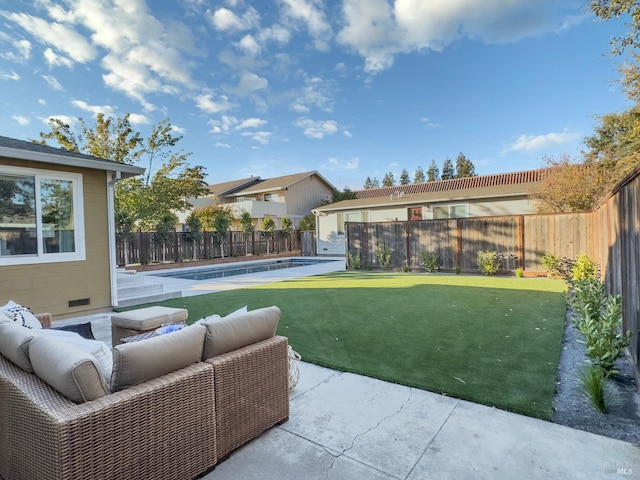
(21, 120)
(378, 30)
(53, 82)
(9, 76)
(532, 143)
(337, 164)
(225, 20)
(222, 145)
(55, 60)
(251, 123)
(309, 14)
(94, 109)
(317, 128)
(208, 105)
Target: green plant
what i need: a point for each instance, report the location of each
(584, 269)
(488, 261)
(519, 272)
(593, 382)
(431, 261)
(355, 259)
(383, 255)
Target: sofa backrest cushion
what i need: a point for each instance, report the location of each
(71, 371)
(137, 362)
(240, 329)
(14, 343)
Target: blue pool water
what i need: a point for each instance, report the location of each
(231, 270)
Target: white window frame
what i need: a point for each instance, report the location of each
(78, 218)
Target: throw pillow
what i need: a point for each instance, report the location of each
(138, 362)
(69, 370)
(21, 314)
(240, 329)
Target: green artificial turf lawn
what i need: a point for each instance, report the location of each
(490, 340)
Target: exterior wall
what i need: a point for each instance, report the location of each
(50, 286)
(305, 195)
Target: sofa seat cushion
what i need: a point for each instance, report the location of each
(137, 362)
(238, 330)
(68, 369)
(14, 344)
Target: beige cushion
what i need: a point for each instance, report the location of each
(149, 317)
(240, 329)
(137, 362)
(71, 371)
(14, 343)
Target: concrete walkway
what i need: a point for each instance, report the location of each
(346, 426)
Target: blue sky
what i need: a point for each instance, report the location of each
(350, 88)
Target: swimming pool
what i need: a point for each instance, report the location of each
(197, 273)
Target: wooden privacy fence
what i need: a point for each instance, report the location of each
(457, 241)
(144, 247)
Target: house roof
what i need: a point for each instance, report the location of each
(516, 184)
(229, 188)
(279, 183)
(22, 150)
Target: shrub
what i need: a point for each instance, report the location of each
(383, 255)
(488, 261)
(354, 260)
(431, 261)
(584, 269)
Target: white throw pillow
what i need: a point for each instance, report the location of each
(21, 314)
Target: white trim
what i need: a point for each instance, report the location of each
(78, 218)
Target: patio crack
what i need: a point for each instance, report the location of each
(355, 438)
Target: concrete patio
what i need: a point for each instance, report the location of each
(346, 426)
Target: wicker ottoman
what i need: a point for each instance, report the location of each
(135, 322)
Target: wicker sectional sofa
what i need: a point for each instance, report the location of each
(175, 426)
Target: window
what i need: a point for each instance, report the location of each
(41, 217)
(415, 213)
(450, 211)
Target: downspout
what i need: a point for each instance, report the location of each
(112, 235)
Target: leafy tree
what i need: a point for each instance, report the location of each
(464, 167)
(608, 9)
(164, 188)
(217, 218)
(447, 170)
(388, 180)
(247, 228)
(268, 226)
(286, 228)
(418, 176)
(404, 177)
(345, 194)
(194, 230)
(433, 173)
(164, 230)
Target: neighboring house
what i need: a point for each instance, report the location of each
(291, 196)
(499, 194)
(57, 234)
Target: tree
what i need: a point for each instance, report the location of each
(388, 180)
(217, 218)
(165, 230)
(164, 188)
(404, 177)
(608, 9)
(433, 173)
(286, 228)
(268, 226)
(464, 167)
(247, 228)
(418, 176)
(194, 231)
(447, 170)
